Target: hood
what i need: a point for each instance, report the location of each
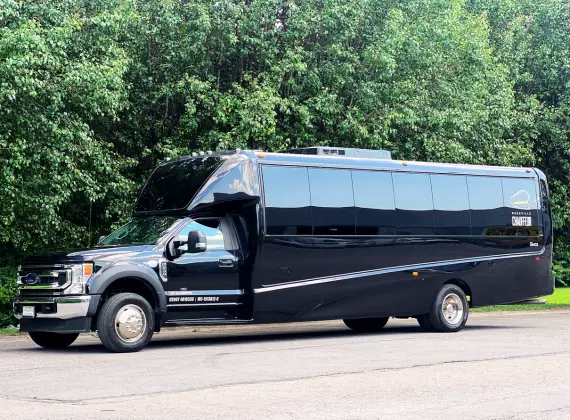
(103, 255)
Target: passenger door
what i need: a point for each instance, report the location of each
(210, 277)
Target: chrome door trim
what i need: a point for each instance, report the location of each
(204, 292)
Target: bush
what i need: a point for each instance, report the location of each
(8, 290)
(561, 263)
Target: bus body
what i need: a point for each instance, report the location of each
(254, 237)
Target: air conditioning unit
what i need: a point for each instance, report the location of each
(341, 151)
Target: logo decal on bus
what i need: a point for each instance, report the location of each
(521, 200)
(521, 221)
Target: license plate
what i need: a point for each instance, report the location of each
(28, 311)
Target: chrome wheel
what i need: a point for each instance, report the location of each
(130, 323)
(452, 309)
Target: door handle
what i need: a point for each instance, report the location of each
(226, 262)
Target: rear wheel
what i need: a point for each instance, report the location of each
(366, 324)
(450, 309)
(51, 340)
(125, 323)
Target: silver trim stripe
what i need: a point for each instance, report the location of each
(394, 166)
(191, 305)
(204, 292)
(359, 274)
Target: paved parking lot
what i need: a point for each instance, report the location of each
(511, 366)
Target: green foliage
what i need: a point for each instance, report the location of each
(61, 72)
(94, 93)
(8, 291)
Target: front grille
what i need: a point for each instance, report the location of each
(28, 291)
(43, 279)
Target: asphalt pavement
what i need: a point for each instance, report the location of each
(502, 366)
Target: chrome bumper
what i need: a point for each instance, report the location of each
(53, 307)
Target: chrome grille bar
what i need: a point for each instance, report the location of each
(52, 277)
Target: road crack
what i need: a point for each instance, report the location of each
(127, 397)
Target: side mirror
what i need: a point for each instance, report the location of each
(101, 238)
(193, 244)
(196, 242)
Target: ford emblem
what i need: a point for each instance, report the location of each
(31, 278)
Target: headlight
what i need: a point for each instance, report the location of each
(81, 272)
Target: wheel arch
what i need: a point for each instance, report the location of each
(135, 285)
(133, 278)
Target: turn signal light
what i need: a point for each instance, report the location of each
(87, 269)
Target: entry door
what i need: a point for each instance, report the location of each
(210, 277)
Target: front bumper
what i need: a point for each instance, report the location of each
(69, 314)
(53, 307)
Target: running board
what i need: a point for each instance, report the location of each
(529, 302)
(208, 321)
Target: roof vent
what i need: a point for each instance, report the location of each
(341, 151)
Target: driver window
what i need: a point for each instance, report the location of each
(209, 227)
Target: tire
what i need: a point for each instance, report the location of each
(51, 340)
(366, 324)
(452, 317)
(125, 323)
(423, 320)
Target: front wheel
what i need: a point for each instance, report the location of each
(449, 311)
(51, 340)
(366, 324)
(125, 323)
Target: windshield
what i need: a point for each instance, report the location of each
(143, 231)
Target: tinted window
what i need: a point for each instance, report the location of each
(287, 200)
(234, 180)
(519, 193)
(172, 185)
(451, 205)
(374, 203)
(332, 201)
(414, 204)
(486, 202)
(521, 202)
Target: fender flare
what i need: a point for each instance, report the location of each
(109, 274)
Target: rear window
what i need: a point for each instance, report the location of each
(172, 185)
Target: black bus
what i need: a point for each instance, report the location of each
(306, 235)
